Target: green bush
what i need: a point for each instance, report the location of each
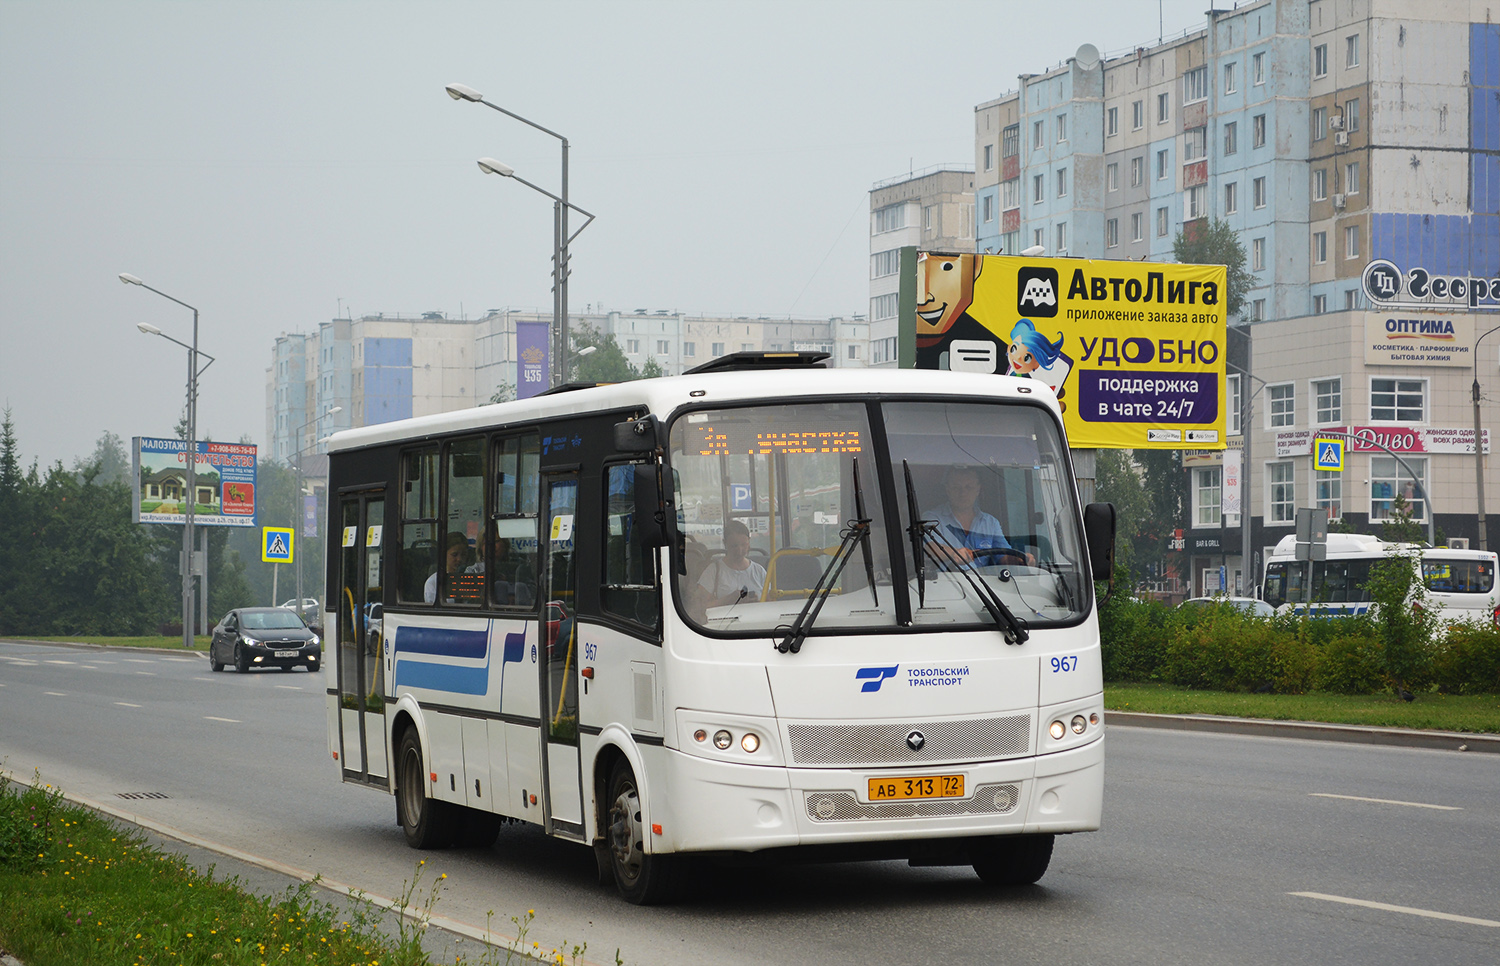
(1467, 660)
(1351, 664)
(1294, 662)
(1221, 649)
(1133, 634)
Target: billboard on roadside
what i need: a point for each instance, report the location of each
(224, 481)
(1134, 350)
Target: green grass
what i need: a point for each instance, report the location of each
(77, 890)
(1430, 711)
(199, 643)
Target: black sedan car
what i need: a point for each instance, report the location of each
(264, 637)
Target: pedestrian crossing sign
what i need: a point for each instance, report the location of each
(1328, 455)
(276, 544)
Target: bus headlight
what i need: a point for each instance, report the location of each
(1057, 730)
(722, 739)
(751, 742)
(1079, 723)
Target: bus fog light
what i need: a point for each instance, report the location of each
(1094, 718)
(722, 740)
(751, 742)
(1079, 724)
(700, 735)
(1004, 800)
(1057, 729)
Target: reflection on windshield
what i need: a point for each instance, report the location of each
(272, 620)
(766, 494)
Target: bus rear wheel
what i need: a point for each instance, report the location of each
(427, 822)
(1013, 860)
(641, 878)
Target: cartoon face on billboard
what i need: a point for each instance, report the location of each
(945, 290)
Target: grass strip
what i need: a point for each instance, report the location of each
(168, 643)
(1477, 713)
(77, 890)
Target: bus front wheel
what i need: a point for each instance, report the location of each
(427, 822)
(1013, 860)
(641, 878)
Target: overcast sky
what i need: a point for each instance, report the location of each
(271, 163)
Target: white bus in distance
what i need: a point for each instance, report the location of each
(553, 646)
(1460, 583)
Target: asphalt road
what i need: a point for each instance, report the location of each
(1217, 849)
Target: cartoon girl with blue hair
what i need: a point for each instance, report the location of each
(1032, 356)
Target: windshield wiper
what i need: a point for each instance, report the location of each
(857, 531)
(917, 534)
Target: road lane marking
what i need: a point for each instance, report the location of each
(127, 704)
(136, 660)
(1387, 907)
(209, 717)
(289, 687)
(181, 660)
(1387, 801)
(149, 674)
(57, 694)
(50, 661)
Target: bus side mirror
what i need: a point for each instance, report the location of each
(1099, 532)
(636, 435)
(649, 528)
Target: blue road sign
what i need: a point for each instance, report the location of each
(1329, 454)
(276, 544)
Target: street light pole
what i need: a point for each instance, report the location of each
(190, 451)
(297, 510)
(1479, 442)
(561, 238)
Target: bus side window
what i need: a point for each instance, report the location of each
(630, 588)
(513, 554)
(419, 519)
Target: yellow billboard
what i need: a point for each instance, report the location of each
(1134, 350)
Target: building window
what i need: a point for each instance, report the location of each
(989, 207)
(1283, 409)
(1351, 241)
(1194, 145)
(1351, 298)
(1320, 60)
(1351, 50)
(718, 347)
(1137, 171)
(1136, 228)
(1398, 400)
(1112, 122)
(1320, 123)
(890, 217)
(1388, 478)
(690, 349)
(881, 307)
(1232, 404)
(927, 218)
(1038, 188)
(1351, 178)
(1195, 85)
(1282, 489)
(1258, 131)
(1062, 128)
(886, 262)
(1163, 108)
(989, 157)
(1038, 238)
(1320, 184)
(1330, 494)
(1258, 68)
(1258, 309)
(1328, 401)
(1231, 137)
(1010, 141)
(1231, 198)
(1192, 203)
(1062, 237)
(1320, 304)
(1037, 130)
(632, 346)
(1258, 192)
(1112, 233)
(1010, 193)
(663, 347)
(1351, 114)
(1137, 115)
(1162, 168)
(1062, 182)
(1162, 222)
(853, 351)
(1206, 494)
(1257, 254)
(1320, 246)
(1112, 177)
(1231, 78)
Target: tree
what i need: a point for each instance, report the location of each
(1217, 244)
(505, 392)
(1118, 481)
(1399, 527)
(605, 364)
(110, 461)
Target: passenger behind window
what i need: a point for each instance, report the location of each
(456, 560)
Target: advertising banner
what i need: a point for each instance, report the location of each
(224, 478)
(1428, 340)
(532, 341)
(1134, 350)
(1398, 439)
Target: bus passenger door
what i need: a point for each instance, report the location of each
(563, 811)
(360, 650)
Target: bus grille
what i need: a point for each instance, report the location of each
(885, 744)
(844, 807)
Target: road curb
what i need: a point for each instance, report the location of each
(102, 647)
(1316, 731)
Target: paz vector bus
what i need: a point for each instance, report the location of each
(761, 609)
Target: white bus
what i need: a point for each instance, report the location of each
(1460, 583)
(524, 626)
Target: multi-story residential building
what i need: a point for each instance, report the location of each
(1328, 135)
(931, 209)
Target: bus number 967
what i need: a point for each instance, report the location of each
(1069, 663)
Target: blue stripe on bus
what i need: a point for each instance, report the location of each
(442, 641)
(442, 677)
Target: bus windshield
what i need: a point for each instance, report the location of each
(765, 496)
